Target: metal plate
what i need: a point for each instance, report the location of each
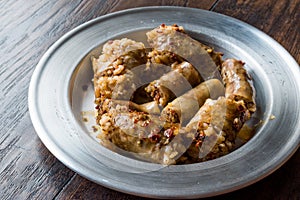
(61, 89)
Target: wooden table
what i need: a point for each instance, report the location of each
(28, 28)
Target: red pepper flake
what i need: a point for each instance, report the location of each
(135, 120)
(156, 95)
(200, 135)
(236, 123)
(145, 123)
(154, 135)
(155, 138)
(169, 133)
(198, 144)
(245, 116)
(241, 108)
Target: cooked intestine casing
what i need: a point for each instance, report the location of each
(238, 83)
(174, 39)
(215, 127)
(182, 78)
(184, 107)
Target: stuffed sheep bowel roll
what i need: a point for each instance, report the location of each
(238, 83)
(182, 78)
(215, 127)
(184, 107)
(174, 39)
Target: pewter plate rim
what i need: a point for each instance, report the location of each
(63, 140)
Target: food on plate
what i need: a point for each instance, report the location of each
(216, 123)
(184, 107)
(179, 80)
(174, 39)
(237, 83)
(132, 130)
(175, 102)
(112, 75)
(112, 50)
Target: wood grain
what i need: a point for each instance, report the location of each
(126, 4)
(28, 28)
(279, 19)
(282, 184)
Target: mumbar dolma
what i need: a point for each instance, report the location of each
(182, 78)
(129, 67)
(208, 135)
(215, 125)
(112, 50)
(172, 132)
(184, 107)
(174, 39)
(112, 75)
(131, 130)
(238, 83)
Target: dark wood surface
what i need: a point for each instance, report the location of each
(28, 28)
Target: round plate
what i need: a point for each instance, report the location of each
(61, 89)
